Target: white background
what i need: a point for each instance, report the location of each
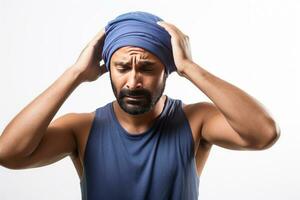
(252, 44)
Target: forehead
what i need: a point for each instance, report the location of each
(124, 53)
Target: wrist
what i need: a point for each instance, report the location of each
(75, 73)
(191, 69)
(185, 67)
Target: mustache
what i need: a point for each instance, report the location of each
(138, 92)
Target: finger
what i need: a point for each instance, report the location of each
(171, 28)
(168, 27)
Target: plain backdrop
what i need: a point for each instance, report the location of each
(253, 44)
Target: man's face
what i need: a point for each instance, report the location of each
(138, 79)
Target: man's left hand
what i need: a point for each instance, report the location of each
(180, 46)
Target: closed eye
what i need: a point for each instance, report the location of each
(122, 69)
(147, 69)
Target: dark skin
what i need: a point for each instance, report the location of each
(135, 72)
(234, 120)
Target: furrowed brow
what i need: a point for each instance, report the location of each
(147, 62)
(122, 63)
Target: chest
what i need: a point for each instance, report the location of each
(151, 164)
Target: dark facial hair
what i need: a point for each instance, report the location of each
(140, 105)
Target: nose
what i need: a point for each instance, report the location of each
(134, 80)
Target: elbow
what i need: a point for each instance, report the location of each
(7, 164)
(10, 163)
(5, 161)
(9, 160)
(271, 136)
(2, 158)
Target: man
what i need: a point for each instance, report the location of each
(144, 145)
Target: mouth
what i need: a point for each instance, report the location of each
(134, 97)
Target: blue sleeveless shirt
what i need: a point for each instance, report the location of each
(158, 164)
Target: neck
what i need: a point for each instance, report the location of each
(138, 123)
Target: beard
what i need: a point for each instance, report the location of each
(138, 101)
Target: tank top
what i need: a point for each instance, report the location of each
(158, 164)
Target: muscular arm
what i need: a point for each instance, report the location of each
(235, 120)
(28, 140)
(30, 131)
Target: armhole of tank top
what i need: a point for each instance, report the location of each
(89, 136)
(190, 134)
(191, 139)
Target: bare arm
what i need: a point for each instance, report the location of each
(56, 143)
(29, 133)
(235, 120)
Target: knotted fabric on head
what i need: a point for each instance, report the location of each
(138, 29)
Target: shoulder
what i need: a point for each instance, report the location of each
(196, 113)
(200, 110)
(79, 122)
(74, 120)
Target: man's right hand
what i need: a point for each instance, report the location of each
(88, 63)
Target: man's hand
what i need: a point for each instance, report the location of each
(180, 46)
(88, 63)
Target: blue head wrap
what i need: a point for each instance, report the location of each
(141, 30)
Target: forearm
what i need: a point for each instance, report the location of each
(245, 114)
(24, 132)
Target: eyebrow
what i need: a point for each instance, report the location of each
(122, 63)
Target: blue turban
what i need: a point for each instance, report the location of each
(141, 30)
